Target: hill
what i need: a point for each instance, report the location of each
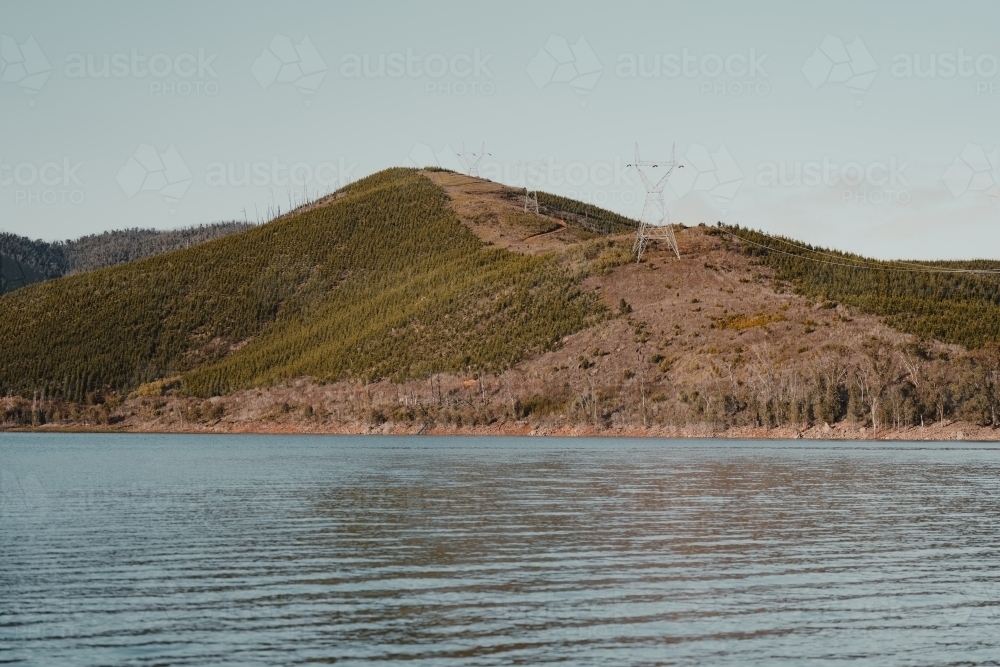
(428, 301)
(385, 282)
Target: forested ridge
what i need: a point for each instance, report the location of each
(384, 282)
(42, 260)
(951, 301)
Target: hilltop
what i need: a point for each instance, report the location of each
(428, 301)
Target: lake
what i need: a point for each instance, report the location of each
(272, 550)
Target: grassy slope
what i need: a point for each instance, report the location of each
(960, 308)
(386, 282)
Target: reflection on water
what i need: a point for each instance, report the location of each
(269, 550)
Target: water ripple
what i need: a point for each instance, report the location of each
(194, 550)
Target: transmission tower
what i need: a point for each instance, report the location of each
(532, 170)
(654, 223)
(472, 160)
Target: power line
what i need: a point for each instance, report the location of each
(898, 269)
(926, 267)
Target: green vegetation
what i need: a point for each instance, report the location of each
(953, 307)
(383, 283)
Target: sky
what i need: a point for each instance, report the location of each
(869, 127)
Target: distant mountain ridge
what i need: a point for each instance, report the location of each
(41, 260)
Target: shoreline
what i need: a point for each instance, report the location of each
(957, 431)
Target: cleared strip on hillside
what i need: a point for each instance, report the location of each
(384, 282)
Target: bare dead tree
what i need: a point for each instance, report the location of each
(876, 371)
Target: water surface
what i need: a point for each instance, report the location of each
(263, 550)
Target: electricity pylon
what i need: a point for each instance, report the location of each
(532, 170)
(654, 223)
(472, 160)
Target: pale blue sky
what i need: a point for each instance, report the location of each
(834, 95)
